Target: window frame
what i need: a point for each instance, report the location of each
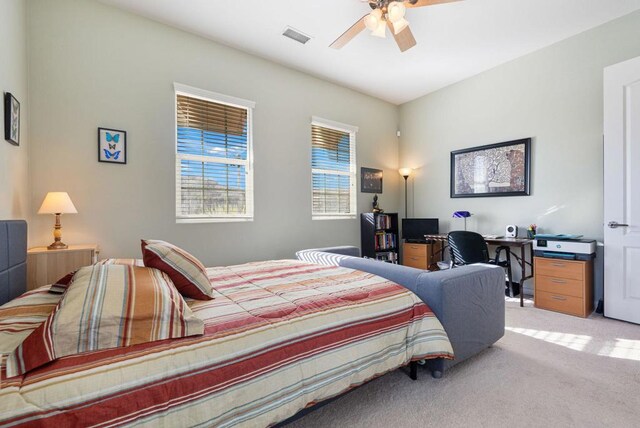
(353, 188)
(214, 97)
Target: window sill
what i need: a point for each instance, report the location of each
(213, 220)
(334, 217)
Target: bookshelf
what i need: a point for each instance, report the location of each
(379, 236)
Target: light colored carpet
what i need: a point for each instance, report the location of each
(549, 370)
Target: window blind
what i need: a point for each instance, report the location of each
(333, 171)
(213, 160)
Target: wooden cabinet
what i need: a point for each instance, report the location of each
(421, 255)
(47, 266)
(564, 286)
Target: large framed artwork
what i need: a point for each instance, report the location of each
(501, 169)
(370, 180)
(112, 146)
(11, 119)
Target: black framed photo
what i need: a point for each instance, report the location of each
(11, 119)
(112, 146)
(502, 169)
(370, 180)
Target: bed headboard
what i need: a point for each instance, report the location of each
(13, 259)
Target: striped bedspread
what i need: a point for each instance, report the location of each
(279, 336)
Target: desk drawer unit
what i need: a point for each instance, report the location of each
(421, 256)
(564, 286)
(415, 255)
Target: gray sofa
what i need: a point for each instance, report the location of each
(468, 300)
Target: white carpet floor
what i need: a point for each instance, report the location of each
(549, 370)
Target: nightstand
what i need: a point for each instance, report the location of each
(47, 266)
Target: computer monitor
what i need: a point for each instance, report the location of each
(414, 229)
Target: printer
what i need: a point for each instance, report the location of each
(567, 249)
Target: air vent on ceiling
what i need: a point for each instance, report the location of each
(296, 35)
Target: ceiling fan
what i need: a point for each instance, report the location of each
(386, 14)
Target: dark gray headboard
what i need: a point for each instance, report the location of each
(13, 259)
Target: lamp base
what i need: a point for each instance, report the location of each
(57, 246)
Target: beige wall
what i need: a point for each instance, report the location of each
(553, 95)
(92, 65)
(14, 178)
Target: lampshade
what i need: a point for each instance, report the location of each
(461, 214)
(57, 203)
(396, 11)
(405, 172)
(373, 20)
(381, 31)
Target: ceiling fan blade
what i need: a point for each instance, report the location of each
(404, 38)
(420, 3)
(348, 35)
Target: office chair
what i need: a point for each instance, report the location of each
(467, 248)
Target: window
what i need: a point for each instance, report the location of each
(333, 169)
(214, 165)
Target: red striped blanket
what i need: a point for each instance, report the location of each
(279, 336)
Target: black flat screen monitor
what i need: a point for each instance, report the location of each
(414, 229)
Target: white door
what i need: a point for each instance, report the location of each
(622, 191)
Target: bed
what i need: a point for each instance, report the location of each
(13, 259)
(279, 336)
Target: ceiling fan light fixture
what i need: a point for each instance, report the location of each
(381, 31)
(400, 25)
(372, 21)
(396, 11)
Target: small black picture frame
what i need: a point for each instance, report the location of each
(112, 146)
(370, 180)
(11, 119)
(502, 169)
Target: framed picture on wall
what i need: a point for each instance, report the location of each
(370, 180)
(112, 146)
(11, 119)
(501, 169)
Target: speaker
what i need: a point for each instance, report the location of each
(511, 231)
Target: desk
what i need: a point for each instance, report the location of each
(521, 243)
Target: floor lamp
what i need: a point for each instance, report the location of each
(405, 173)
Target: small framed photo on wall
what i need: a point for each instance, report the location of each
(11, 119)
(370, 180)
(112, 146)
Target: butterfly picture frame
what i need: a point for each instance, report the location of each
(112, 146)
(11, 119)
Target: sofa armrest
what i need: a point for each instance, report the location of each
(469, 302)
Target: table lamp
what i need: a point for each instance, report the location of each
(405, 173)
(57, 203)
(462, 214)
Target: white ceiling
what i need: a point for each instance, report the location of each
(455, 40)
